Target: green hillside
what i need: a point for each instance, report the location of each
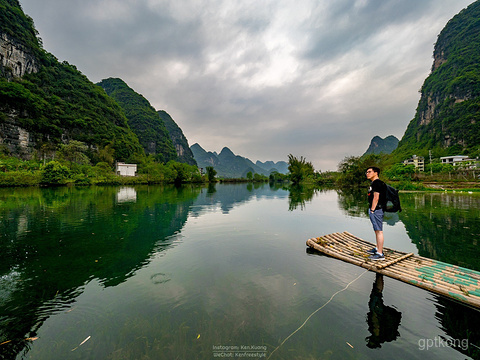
(143, 119)
(14, 23)
(56, 103)
(179, 140)
(229, 165)
(447, 119)
(382, 146)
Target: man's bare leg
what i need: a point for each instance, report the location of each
(379, 239)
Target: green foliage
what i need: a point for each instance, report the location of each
(55, 173)
(183, 172)
(178, 138)
(275, 176)
(400, 172)
(300, 169)
(16, 24)
(106, 154)
(58, 101)
(74, 152)
(20, 178)
(352, 169)
(451, 94)
(9, 164)
(259, 178)
(211, 173)
(439, 168)
(327, 178)
(142, 119)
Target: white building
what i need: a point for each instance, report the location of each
(123, 169)
(417, 161)
(454, 159)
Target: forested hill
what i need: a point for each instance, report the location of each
(379, 145)
(179, 140)
(229, 165)
(143, 119)
(447, 118)
(44, 102)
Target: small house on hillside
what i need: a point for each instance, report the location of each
(123, 169)
(453, 159)
(417, 161)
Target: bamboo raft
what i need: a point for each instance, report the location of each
(445, 279)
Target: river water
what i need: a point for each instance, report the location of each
(223, 272)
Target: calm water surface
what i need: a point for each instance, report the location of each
(223, 272)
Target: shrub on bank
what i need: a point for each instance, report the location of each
(55, 173)
(20, 178)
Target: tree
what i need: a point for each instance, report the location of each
(352, 168)
(55, 173)
(74, 152)
(299, 169)
(400, 171)
(211, 173)
(106, 154)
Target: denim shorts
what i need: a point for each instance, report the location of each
(377, 219)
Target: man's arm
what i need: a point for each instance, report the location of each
(376, 197)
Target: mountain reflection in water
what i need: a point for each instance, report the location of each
(55, 242)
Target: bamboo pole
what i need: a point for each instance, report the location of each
(446, 269)
(336, 254)
(454, 270)
(436, 281)
(430, 282)
(438, 287)
(472, 300)
(394, 261)
(345, 239)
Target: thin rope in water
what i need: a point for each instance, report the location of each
(320, 308)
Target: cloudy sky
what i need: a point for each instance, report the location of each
(314, 78)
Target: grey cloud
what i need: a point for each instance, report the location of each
(315, 78)
(347, 24)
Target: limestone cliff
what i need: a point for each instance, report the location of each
(179, 140)
(44, 102)
(15, 59)
(447, 119)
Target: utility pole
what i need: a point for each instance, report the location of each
(430, 154)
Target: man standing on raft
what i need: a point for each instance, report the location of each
(377, 194)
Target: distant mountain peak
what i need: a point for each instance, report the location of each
(379, 145)
(226, 152)
(229, 165)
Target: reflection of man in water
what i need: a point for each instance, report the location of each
(383, 321)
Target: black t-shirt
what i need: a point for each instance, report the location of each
(380, 187)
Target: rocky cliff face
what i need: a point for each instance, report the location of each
(43, 101)
(16, 139)
(143, 119)
(447, 119)
(179, 140)
(15, 59)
